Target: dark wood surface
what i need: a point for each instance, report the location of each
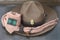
(45, 2)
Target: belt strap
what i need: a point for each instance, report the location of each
(21, 29)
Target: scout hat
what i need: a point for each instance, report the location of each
(34, 14)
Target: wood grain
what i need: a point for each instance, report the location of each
(45, 2)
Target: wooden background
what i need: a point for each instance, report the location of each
(46, 2)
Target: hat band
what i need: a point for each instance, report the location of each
(35, 24)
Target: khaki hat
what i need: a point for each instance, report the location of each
(31, 14)
(36, 14)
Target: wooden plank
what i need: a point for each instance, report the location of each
(46, 2)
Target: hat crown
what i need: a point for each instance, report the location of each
(32, 10)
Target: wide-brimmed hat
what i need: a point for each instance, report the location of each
(34, 14)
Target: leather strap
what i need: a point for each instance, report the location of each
(21, 29)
